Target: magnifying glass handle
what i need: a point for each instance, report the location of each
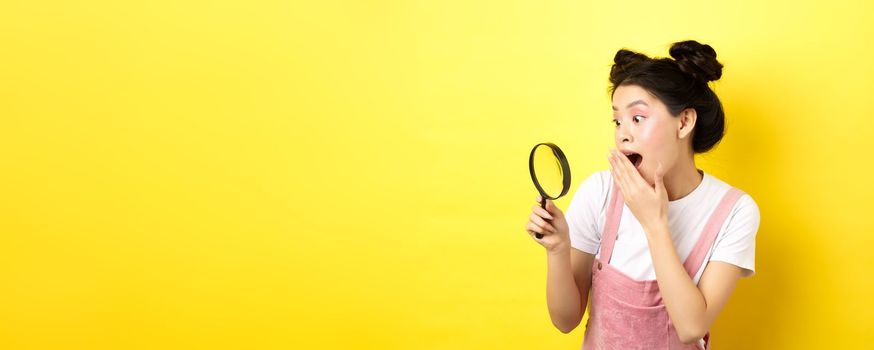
(542, 205)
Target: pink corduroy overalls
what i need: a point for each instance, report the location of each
(628, 314)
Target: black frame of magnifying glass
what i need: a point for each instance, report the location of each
(565, 170)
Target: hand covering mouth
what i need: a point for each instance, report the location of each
(635, 158)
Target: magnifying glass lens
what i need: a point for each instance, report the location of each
(548, 170)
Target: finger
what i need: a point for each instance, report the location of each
(534, 236)
(622, 161)
(612, 161)
(616, 170)
(619, 178)
(555, 211)
(542, 212)
(634, 176)
(531, 227)
(628, 175)
(544, 226)
(615, 166)
(530, 233)
(551, 208)
(659, 181)
(542, 223)
(626, 169)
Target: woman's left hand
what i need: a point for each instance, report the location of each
(649, 204)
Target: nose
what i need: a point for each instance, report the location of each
(623, 134)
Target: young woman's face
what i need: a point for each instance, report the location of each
(645, 127)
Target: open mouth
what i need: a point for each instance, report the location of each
(635, 159)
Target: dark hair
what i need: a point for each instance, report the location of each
(679, 83)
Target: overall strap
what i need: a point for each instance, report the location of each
(611, 226)
(708, 236)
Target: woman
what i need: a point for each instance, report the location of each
(657, 243)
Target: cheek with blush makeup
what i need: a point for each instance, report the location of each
(654, 140)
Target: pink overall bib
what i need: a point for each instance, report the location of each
(628, 314)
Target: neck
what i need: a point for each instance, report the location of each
(682, 180)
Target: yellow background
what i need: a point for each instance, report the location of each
(353, 174)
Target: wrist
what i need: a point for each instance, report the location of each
(659, 227)
(559, 251)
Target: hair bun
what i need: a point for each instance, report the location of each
(625, 58)
(697, 60)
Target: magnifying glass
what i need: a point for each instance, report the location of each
(550, 172)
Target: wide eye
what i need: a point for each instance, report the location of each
(635, 118)
(615, 122)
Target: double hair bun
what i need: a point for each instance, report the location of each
(693, 58)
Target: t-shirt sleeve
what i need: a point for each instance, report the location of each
(737, 246)
(582, 214)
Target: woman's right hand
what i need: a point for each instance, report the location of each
(551, 223)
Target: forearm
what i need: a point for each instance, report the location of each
(562, 295)
(683, 300)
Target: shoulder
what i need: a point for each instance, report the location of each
(736, 241)
(745, 203)
(744, 217)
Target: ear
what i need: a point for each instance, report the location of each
(686, 122)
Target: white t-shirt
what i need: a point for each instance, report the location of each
(735, 244)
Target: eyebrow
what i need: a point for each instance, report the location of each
(638, 102)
